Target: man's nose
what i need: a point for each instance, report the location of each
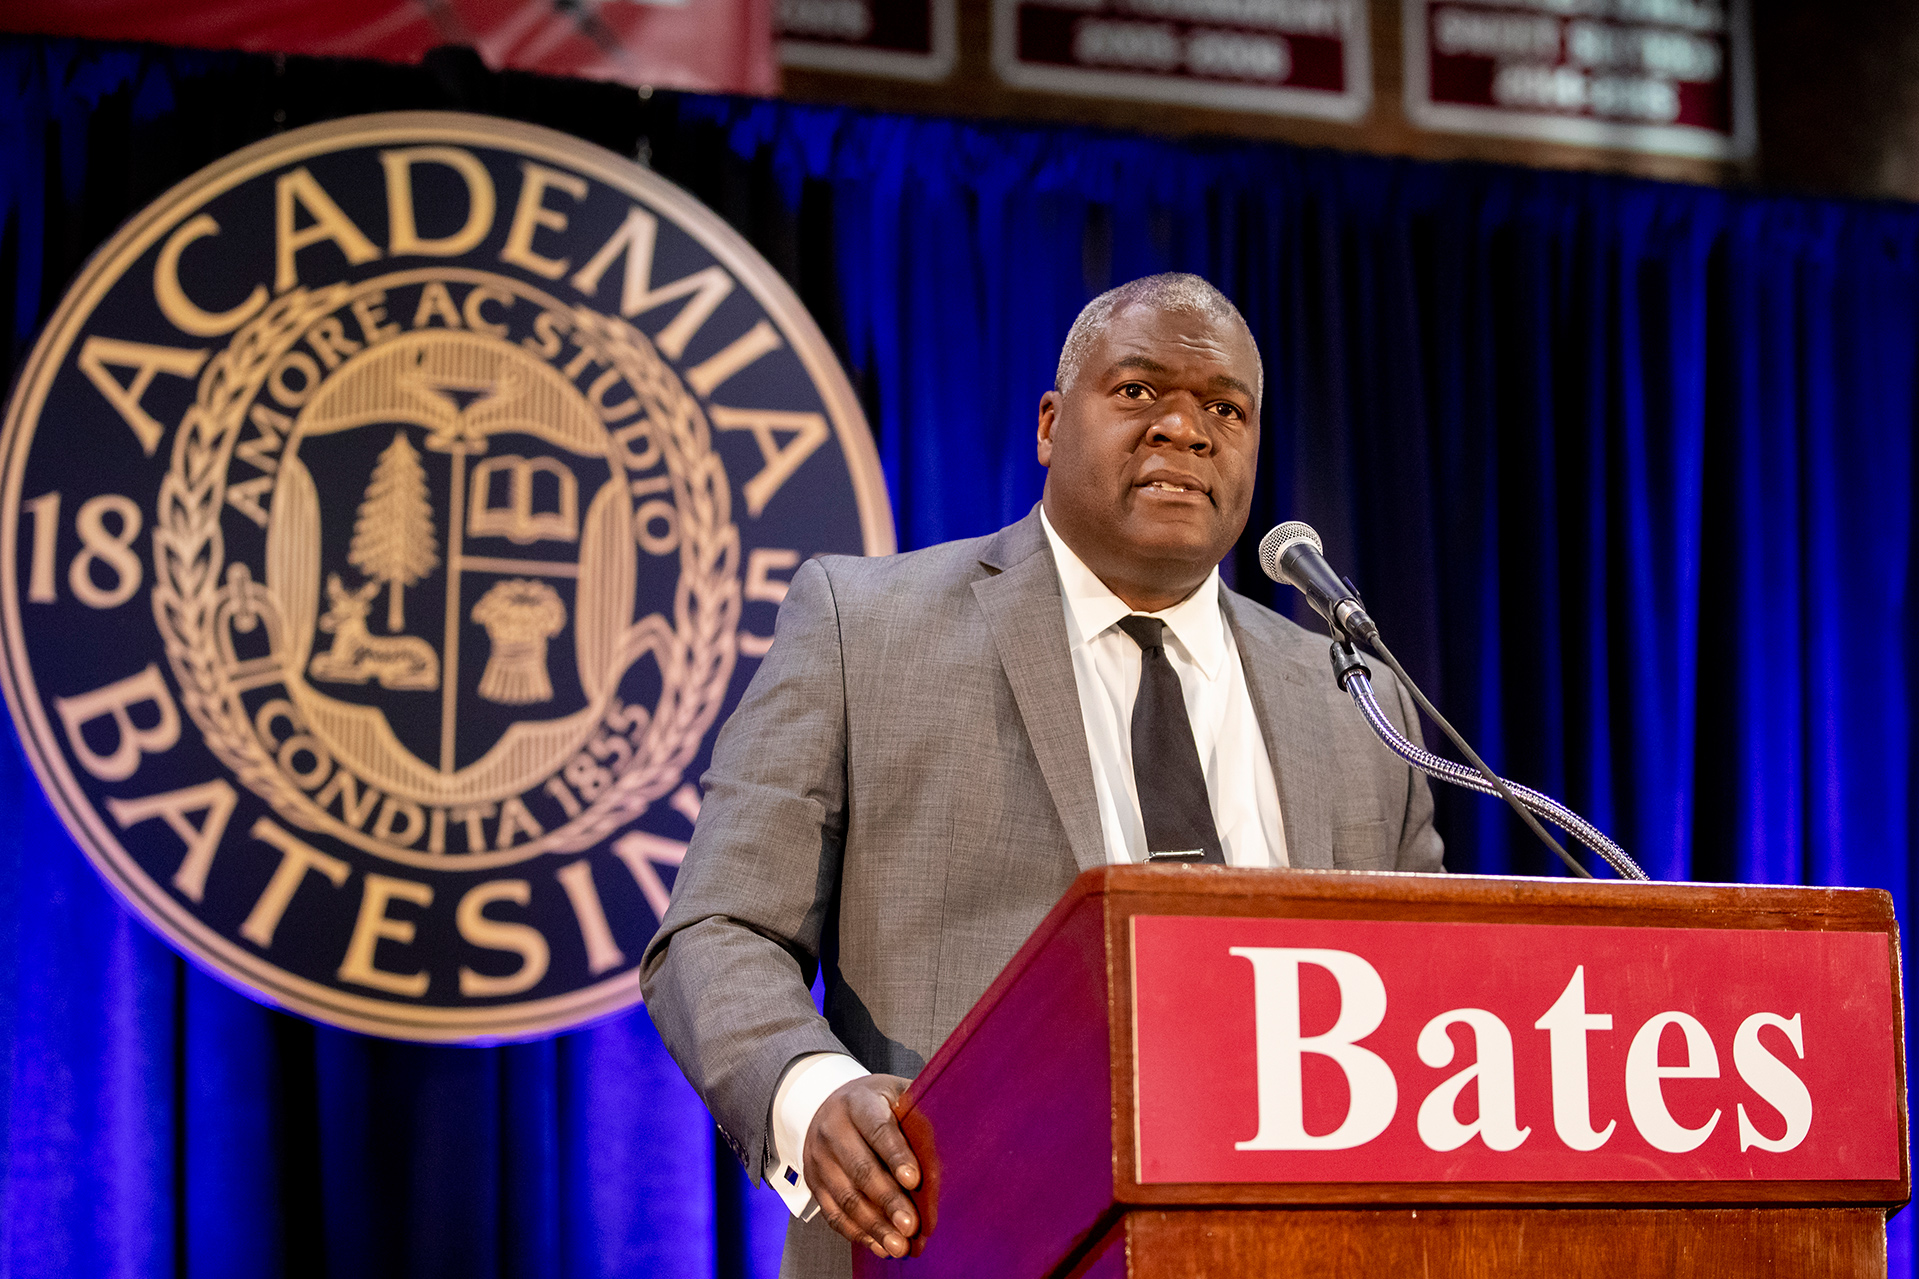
(1182, 424)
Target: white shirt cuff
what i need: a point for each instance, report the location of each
(804, 1089)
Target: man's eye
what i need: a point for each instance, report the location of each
(1228, 410)
(1135, 390)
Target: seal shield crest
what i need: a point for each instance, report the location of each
(392, 512)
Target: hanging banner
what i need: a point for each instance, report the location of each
(895, 39)
(712, 46)
(1667, 77)
(389, 516)
(1282, 57)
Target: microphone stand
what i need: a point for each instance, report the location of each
(1353, 675)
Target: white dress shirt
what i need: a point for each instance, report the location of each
(1106, 669)
(1201, 649)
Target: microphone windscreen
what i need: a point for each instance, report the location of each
(1278, 539)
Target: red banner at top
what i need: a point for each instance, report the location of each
(715, 46)
(1273, 1050)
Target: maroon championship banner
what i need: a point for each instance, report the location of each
(1302, 1050)
(1671, 78)
(714, 46)
(898, 39)
(1281, 57)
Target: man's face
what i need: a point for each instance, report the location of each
(1150, 452)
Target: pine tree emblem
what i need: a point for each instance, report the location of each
(393, 539)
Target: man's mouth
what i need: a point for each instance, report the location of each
(1192, 487)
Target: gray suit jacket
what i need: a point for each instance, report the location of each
(905, 791)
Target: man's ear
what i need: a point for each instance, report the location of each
(1048, 418)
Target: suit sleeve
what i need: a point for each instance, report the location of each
(1419, 844)
(727, 977)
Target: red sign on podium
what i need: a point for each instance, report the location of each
(1320, 1050)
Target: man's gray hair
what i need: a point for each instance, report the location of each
(1174, 291)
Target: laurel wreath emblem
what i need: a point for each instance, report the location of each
(196, 610)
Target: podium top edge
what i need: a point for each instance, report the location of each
(1817, 906)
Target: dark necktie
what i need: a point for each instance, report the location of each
(1166, 770)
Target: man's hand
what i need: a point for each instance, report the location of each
(859, 1166)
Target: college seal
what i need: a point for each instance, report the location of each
(392, 512)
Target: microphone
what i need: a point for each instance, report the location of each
(1291, 554)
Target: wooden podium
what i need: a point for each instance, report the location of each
(1196, 1071)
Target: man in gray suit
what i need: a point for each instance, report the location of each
(939, 742)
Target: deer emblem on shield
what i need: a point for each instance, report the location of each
(395, 661)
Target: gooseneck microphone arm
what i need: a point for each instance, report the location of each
(1291, 554)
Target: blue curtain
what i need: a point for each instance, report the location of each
(1624, 469)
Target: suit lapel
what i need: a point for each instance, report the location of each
(1023, 610)
(1290, 701)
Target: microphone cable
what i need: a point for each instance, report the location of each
(1497, 782)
